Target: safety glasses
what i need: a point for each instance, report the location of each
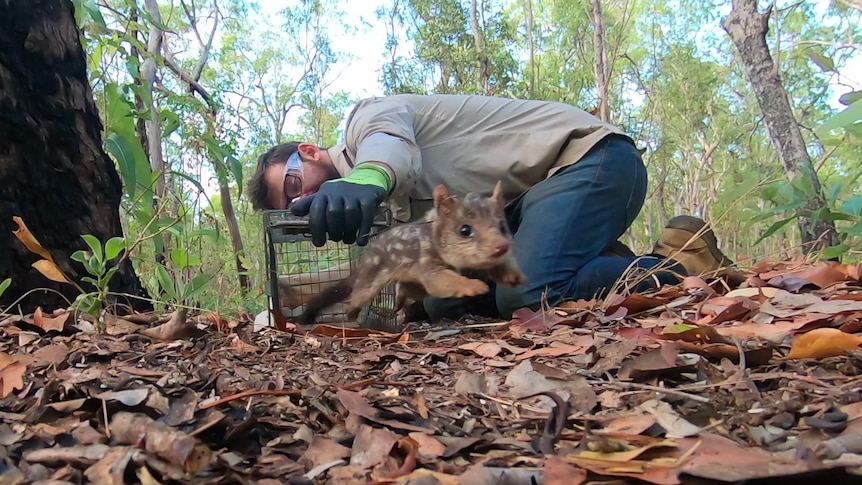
(293, 177)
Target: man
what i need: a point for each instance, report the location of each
(572, 183)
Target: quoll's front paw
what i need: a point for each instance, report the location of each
(472, 288)
(513, 278)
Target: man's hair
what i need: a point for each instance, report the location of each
(258, 192)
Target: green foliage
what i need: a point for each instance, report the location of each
(4, 285)
(96, 263)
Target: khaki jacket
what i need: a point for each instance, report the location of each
(467, 143)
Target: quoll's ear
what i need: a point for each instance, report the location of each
(497, 195)
(442, 201)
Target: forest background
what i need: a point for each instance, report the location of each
(191, 92)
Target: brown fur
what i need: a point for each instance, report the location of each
(423, 257)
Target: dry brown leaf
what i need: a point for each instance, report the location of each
(525, 320)
(482, 349)
(675, 425)
(29, 240)
(111, 467)
(771, 332)
(822, 343)
(558, 472)
(723, 309)
(50, 270)
(54, 353)
(632, 424)
(766, 291)
(323, 450)
(634, 303)
(721, 459)
(50, 323)
(371, 446)
(628, 455)
(656, 362)
(12, 371)
(579, 346)
(429, 448)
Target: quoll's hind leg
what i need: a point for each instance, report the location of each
(405, 291)
(367, 286)
(408, 290)
(445, 283)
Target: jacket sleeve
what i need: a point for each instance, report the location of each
(381, 130)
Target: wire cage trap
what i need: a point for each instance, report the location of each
(297, 270)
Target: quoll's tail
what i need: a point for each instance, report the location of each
(328, 297)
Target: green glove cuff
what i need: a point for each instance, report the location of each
(368, 174)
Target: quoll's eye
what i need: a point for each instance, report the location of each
(503, 228)
(466, 230)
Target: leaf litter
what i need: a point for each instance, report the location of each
(682, 386)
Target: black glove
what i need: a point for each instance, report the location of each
(344, 209)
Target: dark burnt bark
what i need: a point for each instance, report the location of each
(54, 172)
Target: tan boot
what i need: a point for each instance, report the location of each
(700, 255)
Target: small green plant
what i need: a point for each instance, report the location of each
(96, 262)
(4, 285)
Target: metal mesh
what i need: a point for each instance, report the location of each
(297, 270)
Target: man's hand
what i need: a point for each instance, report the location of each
(345, 208)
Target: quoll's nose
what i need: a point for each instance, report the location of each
(501, 249)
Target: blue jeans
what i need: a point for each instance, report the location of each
(561, 227)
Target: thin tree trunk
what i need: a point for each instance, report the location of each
(153, 139)
(747, 29)
(601, 67)
(54, 172)
(482, 81)
(532, 45)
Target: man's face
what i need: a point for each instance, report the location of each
(283, 185)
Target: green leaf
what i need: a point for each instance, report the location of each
(835, 192)
(849, 98)
(119, 146)
(824, 63)
(236, 170)
(855, 230)
(833, 252)
(4, 285)
(170, 122)
(853, 206)
(113, 247)
(110, 274)
(95, 246)
(851, 114)
(80, 256)
(196, 286)
(206, 232)
(855, 130)
(184, 260)
(193, 181)
(166, 283)
(773, 229)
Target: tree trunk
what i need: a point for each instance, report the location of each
(482, 77)
(153, 140)
(601, 67)
(747, 29)
(532, 44)
(54, 172)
